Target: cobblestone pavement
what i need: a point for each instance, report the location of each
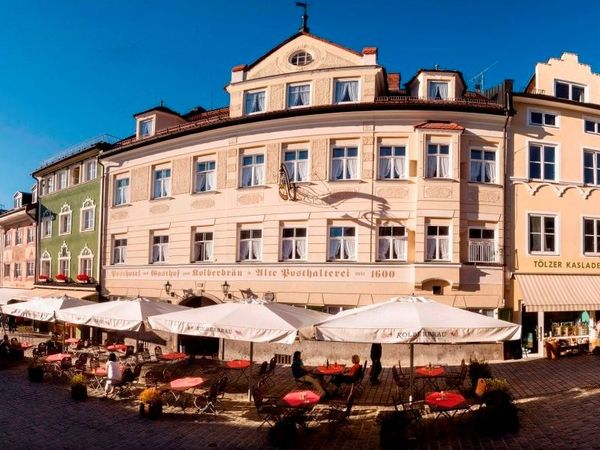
(559, 402)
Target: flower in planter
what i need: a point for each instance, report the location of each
(61, 278)
(78, 380)
(83, 278)
(150, 395)
(43, 278)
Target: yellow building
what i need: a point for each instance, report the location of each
(553, 206)
(323, 183)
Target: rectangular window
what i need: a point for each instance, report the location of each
(250, 245)
(298, 95)
(64, 223)
(253, 170)
(591, 236)
(438, 161)
(85, 266)
(87, 219)
(205, 176)
(30, 234)
(592, 126)
(591, 167)
(146, 128)
(342, 244)
(483, 166)
(542, 162)
(19, 236)
(6, 270)
(90, 170)
(64, 267)
(539, 118)
(30, 269)
(162, 183)
(392, 163)
(46, 227)
(45, 265)
(203, 246)
(569, 91)
(121, 191)
(293, 244)
(119, 251)
(62, 179)
(296, 163)
(438, 90)
(75, 175)
(482, 245)
(8, 238)
(391, 243)
(17, 267)
(542, 234)
(344, 163)
(346, 91)
(160, 247)
(48, 185)
(255, 102)
(438, 243)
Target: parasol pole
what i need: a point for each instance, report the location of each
(412, 364)
(250, 373)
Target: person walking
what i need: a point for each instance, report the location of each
(375, 363)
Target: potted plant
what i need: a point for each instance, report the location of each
(500, 412)
(151, 403)
(79, 387)
(43, 278)
(82, 278)
(35, 371)
(60, 278)
(478, 369)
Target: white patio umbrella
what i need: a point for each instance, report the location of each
(414, 320)
(251, 321)
(43, 309)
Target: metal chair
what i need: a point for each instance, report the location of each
(338, 413)
(456, 380)
(208, 402)
(269, 412)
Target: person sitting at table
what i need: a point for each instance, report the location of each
(4, 347)
(301, 374)
(350, 375)
(113, 374)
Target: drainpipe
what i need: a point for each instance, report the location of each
(508, 87)
(102, 228)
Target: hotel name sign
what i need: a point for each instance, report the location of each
(392, 274)
(541, 264)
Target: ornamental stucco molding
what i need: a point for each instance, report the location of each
(250, 199)
(559, 188)
(393, 192)
(204, 203)
(437, 192)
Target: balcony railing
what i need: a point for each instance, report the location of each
(482, 251)
(470, 101)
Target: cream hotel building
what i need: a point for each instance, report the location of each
(324, 183)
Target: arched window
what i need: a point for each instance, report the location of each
(64, 261)
(46, 224)
(86, 262)
(64, 220)
(88, 215)
(45, 264)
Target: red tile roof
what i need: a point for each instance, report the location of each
(238, 68)
(393, 82)
(440, 126)
(369, 51)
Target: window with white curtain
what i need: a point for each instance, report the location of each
(253, 170)
(296, 163)
(86, 261)
(438, 90)
(160, 248)
(64, 261)
(591, 236)
(146, 128)
(298, 95)
(121, 191)
(392, 162)
(45, 263)
(19, 236)
(8, 238)
(542, 233)
(438, 161)
(64, 220)
(162, 183)
(250, 245)
(293, 244)
(87, 214)
(346, 91)
(46, 224)
(255, 102)
(30, 234)
(62, 179)
(438, 243)
(591, 167)
(90, 170)
(391, 243)
(342, 244)
(205, 176)
(344, 163)
(119, 253)
(542, 162)
(203, 246)
(483, 166)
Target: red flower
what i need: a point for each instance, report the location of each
(43, 278)
(61, 277)
(83, 277)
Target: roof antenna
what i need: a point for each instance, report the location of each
(304, 27)
(161, 102)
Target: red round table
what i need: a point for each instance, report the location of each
(301, 398)
(333, 369)
(72, 340)
(182, 384)
(119, 347)
(446, 400)
(26, 345)
(239, 364)
(427, 371)
(174, 356)
(57, 357)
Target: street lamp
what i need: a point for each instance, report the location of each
(225, 288)
(168, 286)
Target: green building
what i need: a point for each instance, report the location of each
(70, 219)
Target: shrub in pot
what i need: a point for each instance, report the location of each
(499, 414)
(79, 387)
(150, 403)
(35, 372)
(478, 369)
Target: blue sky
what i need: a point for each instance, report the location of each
(72, 69)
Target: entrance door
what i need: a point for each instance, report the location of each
(530, 331)
(193, 345)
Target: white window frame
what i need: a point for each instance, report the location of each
(344, 254)
(595, 121)
(8, 238)
(571, 84)
(394, 255)
(200, 247)
(544, 114)
(76, 169)
(62, 179)
(205, 174)
(250, 241)
(304, 58)
(403, 173)
(119, 252)
(543, 233)
(294, 85)
(344, 161)
(430, 82)
(121, 193)
(48, 184)
(146, 120)
(164, 182)
(253, 92)
(484, 162)
(88, 207)
(46, 222)
(542, 146)
(595, 167)
(65, 211)
(482, 243)
(595, 235)
(438, 158)
(64, 257)
(437, 238)
(160, 248)
(30, 265)
(293, 164)
(252, 167)
(19, 236)
(46, 259)
(295, 241)
(18, 200)
(346, 80)
(86, 255)
(90, 174)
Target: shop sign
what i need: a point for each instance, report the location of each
(578, 265)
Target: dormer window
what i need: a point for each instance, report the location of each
(301, 58)
(346, 91)
(438, 90)
(298, 95)
(255, 101)
(146, 128)
(18, 201)
(569, 91)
